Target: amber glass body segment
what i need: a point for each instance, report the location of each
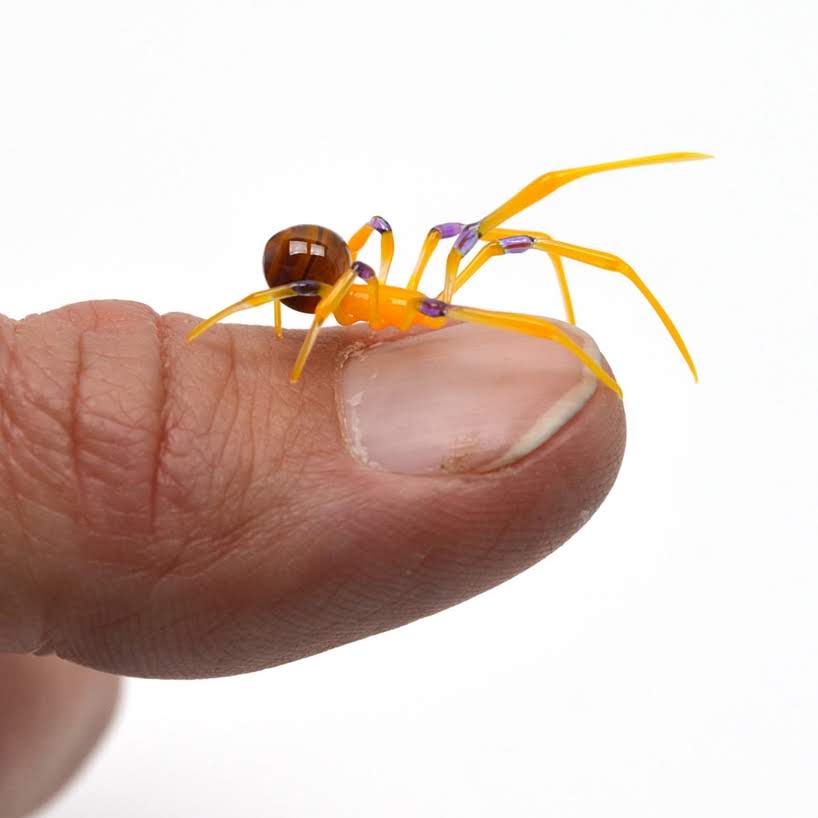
(305, 252)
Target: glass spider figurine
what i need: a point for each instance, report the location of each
(312, 269)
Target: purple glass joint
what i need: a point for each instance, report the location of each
(380, 224)
(433, 307)
(467, 238)
(448, 230)
(306, 287)
(516, 244)
(363, 271)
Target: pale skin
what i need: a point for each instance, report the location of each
(219, 547)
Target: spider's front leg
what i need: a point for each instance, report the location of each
(326, 306)
(274, 294)
(330, 302)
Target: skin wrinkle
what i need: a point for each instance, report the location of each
(131, 618)
(294, 626)
(118, 430)
(262, 432)
(5, 425)
(166, 469)
(280, 453)
(249, 494)
(242, 561)
(177, 435)
(403, 589)
(81, 469)
(74, 415)
(402, 593)
(133, 622)
(185, 544)
(332, 600)
(298, 528)
(201, 562)
(231, 386)
(74, 432)
(243, 405)
(402, 596)
(211, 462)
(194, 562)
(43, 407)
(186, 626)
(243, 474)
(103, 624)
(339, 580)
(292, 445)
(22, 532)
(82, 602)
(162, 421)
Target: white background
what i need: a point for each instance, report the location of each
(662, 663)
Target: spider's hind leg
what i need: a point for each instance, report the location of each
(539, 328)
(534, 192)
(514, 242)
(525, 324)
(498, 234)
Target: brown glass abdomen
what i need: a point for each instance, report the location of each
(306, 252)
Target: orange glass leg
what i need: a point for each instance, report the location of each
(328, 304)
(359, 239)
(518, 243)
(532, 193)
(373, 291)
(606, 261)
(501, 233)
(537, 327)
(409, 312)
(278, 322)
(549, 182)
(429, 244)
(447, 230)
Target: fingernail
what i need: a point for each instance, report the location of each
(462, 399)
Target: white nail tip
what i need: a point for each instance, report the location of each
(557, 415)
